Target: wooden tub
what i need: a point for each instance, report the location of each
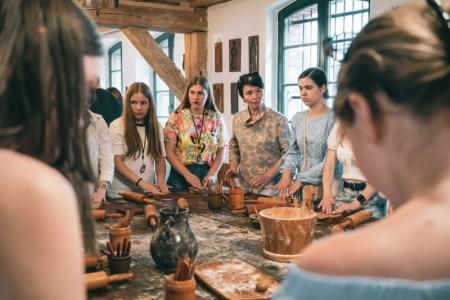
(286, 231)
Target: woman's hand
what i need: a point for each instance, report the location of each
(229, 175)
(148, 187)
(98, 197)
(260, 181)
(295, 187)
(283, 185)
(193, 181)
(327, 204)
(354, 205)
(208, 181)
(163, 188)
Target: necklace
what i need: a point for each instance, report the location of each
(142, 169)
(199, 146)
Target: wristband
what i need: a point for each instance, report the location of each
(137, 181)
(361, 199)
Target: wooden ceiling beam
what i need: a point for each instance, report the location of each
(157, 59)
(145, 16)
(206, 3)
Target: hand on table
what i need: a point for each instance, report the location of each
(98, 197)
(326, 204)
(163, 187)
(354, 205)
(193, 181)
(148, 187)
(208, 181)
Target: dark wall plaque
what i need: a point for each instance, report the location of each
(253, 53)
(218, 66)
(235, 55)
(234, 98)
(218, 95)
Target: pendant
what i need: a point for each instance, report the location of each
(142, 169)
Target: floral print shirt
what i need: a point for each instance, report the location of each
(181, 130)
(258, 144)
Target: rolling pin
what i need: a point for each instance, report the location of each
(136, 197)
(100, 279)
(91, 260)
(352, 221)
(266, 200)
(151, 215)
(182, 203)
(101, 215)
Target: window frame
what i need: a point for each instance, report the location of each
(170, 37)
(114, 48)
(323, 20)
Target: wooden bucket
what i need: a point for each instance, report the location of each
(286, 231)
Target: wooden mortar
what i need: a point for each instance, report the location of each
(179, 290)
(286, 231)
(215, 200)
(117, 235)
(236, 198)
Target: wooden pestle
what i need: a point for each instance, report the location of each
(151, 215)
(352, 221)
(136, 197)
(101, 215)
(182, 203)
(100, 279)
(91, 260)
(266, 200)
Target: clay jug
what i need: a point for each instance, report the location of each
(173, 238)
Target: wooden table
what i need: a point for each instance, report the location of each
(219, 234)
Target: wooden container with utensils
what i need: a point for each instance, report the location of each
(118, 235)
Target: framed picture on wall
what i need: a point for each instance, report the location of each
(234, 98)
(235, 55)
(218, 95)
(218, 67)
(253, 54)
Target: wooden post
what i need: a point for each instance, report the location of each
(196, 53)
(157, 59)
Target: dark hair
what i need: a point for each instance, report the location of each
(318, 76)
(403, 55)
(116, 93)
(198, 80)
(131, 135)
(253, 79)
(43, 94)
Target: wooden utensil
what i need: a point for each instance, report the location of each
(100, 279)
(136, 197)
(352, 221)
(182, 203)
(91, 260)
(101, 215)
(151, 215)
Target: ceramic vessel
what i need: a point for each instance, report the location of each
(236, 198)
(215, 200)
(173, 238)
(119, 265)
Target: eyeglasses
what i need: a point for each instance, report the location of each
(444, 19)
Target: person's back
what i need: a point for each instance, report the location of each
(40, 229)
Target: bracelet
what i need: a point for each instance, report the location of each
(361, 199)
(137, 181)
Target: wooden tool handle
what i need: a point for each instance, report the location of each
(151, 215)
(99, 214)
(182, 203)
(120, 277)
(359, 217)
(135, 197)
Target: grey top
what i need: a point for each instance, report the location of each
(301, 284)
(317, 131)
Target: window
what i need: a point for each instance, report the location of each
(115, 66)
(164, 99)
(302, 28)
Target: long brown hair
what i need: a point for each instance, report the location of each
(202, 81)
(132, 138)
(43, 92)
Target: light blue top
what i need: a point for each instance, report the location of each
(317, 131)
(301, 284)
